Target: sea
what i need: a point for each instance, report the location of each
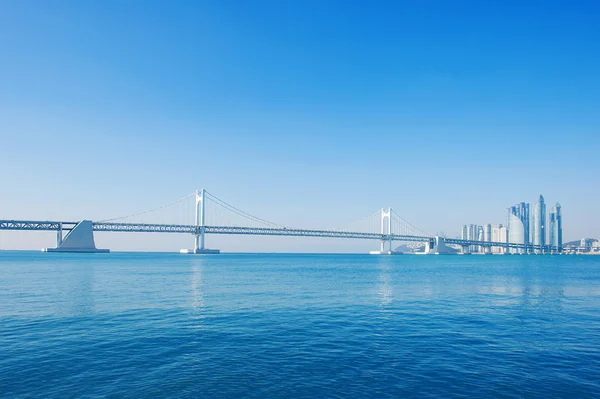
(153, 325)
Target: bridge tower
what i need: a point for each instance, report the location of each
(200, 208)
(386, 215)
(200, 227)
(386, 230)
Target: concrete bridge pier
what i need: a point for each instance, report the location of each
(79, 239)
(465, 250)
(382, 251)
(59, 235)
(437, 246)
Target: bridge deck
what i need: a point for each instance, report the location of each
(232, 230)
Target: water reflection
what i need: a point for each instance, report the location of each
(528, 283)
(542, 285)
(84, 290)
(197, 289)
(78, 293)
(385, 291)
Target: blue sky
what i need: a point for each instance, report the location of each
(307, 113)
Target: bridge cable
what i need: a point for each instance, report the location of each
(239, 211)
(402, 220)
(149, 211)
(369, 219)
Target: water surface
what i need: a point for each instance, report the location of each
(299, 326)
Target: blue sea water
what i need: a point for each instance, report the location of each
(299, 326)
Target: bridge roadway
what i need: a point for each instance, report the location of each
(232, 230)
(191, 229)
(465, 243)
(262, 231)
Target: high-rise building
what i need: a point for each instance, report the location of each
(470, 232)
(522, 212)
(499, 234)
(538, 223)
(487, 232)
(473, 232)
(555, 227)
(518, 225)
(486, 235)
(516, 232)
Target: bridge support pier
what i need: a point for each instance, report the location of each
(59, 236)
(437, 246)
(80, 239)
(200, 229)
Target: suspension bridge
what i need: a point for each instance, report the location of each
(202, 213)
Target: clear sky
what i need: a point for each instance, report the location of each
(309, 113)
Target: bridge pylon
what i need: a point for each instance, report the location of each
(200, 225)
(386, 233)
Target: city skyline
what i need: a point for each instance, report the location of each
(385, 226)
(298, 113)
(518, 217)
(522, 227)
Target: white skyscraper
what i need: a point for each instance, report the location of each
(499, 234)
(471, 232)
(555, 228)
(538, 223)
(522, 212)
(516, 232)
(487, 232)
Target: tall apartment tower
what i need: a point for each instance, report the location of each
(471, 232)
(518, 225)
(499, 234)
(555, 227)
(538, 223)
(487, 232)
(464, 232)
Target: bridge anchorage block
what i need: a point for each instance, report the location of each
(78, 240)
(437, 246)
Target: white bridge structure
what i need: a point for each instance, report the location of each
(201, 213)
